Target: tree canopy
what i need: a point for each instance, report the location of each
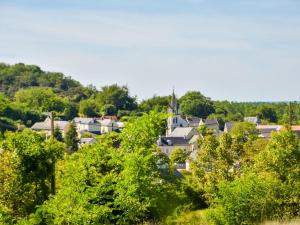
(193, 103)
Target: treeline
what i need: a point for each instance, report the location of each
(28, 92)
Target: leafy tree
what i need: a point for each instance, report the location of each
(70, 111)
(108, 110)
(88, 108)
(281, 157)
(267, 113)
(156, 103)
(178, 156)
(71, 138)
(117, 96)
(268, 189)
(115, 181)
(248, 200)
(244, 131)
(40, 99)
(193, 103)
(26, 169)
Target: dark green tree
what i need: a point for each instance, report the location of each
(88, 108)
(117, 96)
(71, 138)
(156, 103)
(58, 135)
(193, 103)
(108, 109)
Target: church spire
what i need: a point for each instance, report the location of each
(173, 108)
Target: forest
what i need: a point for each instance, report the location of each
(236, 177)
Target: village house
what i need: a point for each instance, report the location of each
(87, 125)
(45, 126)
(212, 124)
(252, 119)
(109, 125)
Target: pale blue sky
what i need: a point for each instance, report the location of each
(241, 50)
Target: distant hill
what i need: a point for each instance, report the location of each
(18, 76)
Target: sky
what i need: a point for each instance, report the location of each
(238, 50)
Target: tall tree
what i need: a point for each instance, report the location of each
(71, 138)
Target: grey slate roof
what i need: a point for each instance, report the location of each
(85, 120)
(46, 125)
(181, 132)
(193, 121)
(172, 141)
(106, 122)
(211, 122)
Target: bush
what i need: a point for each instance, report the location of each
(247, 200)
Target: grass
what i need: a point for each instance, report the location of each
(189, 218)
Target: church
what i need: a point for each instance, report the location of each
(175, 120)
(181, 133)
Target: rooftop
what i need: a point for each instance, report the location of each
(46, 125)
(181, 132)
(85, 120)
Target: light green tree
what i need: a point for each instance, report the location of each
(26, 170)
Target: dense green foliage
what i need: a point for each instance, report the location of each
(26, 169)
(193, 103)
(20, 76)
(249, 180)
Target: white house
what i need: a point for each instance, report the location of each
(109, 125)
(252, 119)
(89, 125)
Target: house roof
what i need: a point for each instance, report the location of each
(193, 121)
(114, 118)
(181, 132)
(85, 120)
(268, 127)
(87, 140)
(46, 125)
(211, 122)
(172, 141)
(106, 122)
(194, 139)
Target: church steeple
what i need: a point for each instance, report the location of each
(173, 107)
